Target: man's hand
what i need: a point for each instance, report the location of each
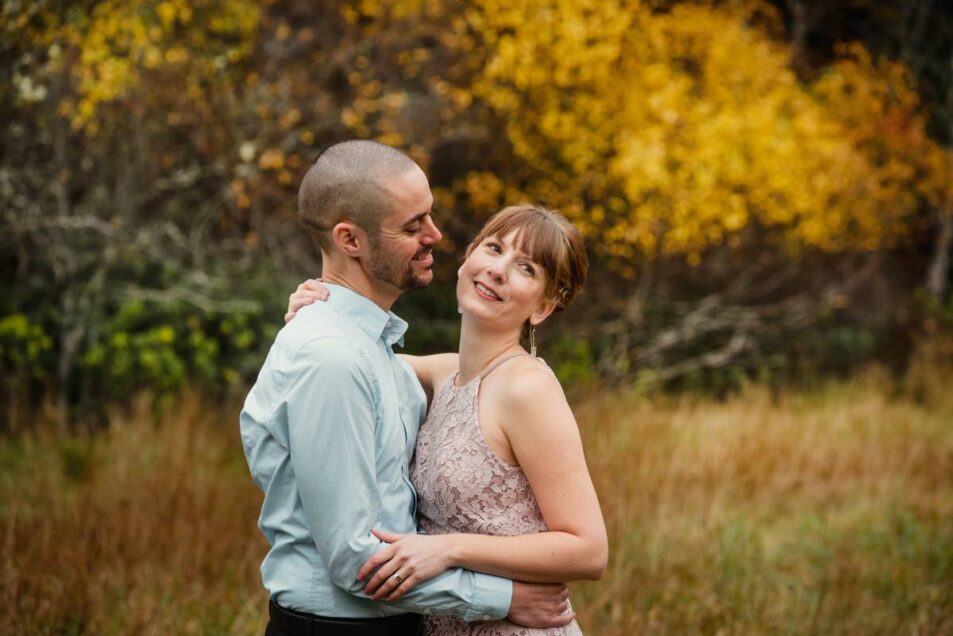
(540, 605)
(307, 292)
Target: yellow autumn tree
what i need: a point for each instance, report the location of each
(880, 113)
(106, 53)
(670, 132)
(660, 132)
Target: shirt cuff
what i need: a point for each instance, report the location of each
(491, 598)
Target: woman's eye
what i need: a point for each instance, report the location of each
(494, 246)
(528, 269)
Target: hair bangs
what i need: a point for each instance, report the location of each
(533, 234)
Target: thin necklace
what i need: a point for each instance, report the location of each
(492, 361)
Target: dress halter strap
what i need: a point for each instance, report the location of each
(487, 371)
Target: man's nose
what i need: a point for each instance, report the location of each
(431, 233)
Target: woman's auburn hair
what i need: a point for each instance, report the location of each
(550, 240)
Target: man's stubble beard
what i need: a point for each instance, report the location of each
(382, 268)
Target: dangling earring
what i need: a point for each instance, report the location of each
(532, 340)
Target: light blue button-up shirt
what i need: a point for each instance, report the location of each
(329, 431)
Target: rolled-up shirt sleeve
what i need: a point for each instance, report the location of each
(332, 414)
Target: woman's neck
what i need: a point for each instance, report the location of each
(480, 347)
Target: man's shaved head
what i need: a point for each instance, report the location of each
(349, 181)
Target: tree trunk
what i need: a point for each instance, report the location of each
(64, 366)
(67, 306)
(940, 264)
(937, 276)
(799, 28)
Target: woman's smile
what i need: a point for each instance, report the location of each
(486, 292)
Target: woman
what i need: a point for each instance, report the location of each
(501, 478)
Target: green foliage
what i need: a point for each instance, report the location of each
(165, 346)
(571, 359)
(24, 347)
(433, 318)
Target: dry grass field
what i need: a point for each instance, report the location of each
(827, 511)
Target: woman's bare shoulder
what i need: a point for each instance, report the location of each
(523, 382)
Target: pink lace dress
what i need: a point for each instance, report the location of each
(462, 486)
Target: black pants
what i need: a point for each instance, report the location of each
(271, 630)
(285, 622)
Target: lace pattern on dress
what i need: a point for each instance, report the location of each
(462, 486)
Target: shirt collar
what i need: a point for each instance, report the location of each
(367, 315)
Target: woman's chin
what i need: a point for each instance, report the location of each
(483, 316)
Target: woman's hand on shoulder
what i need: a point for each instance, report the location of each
(307, 292)
(408, 560)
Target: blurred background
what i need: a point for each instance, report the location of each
(760, 363)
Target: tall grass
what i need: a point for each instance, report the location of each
(829, 512)
(146, 528)
(821, 512)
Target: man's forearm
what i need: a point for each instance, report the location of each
(470, 595)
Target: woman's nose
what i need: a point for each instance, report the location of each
(495, 271)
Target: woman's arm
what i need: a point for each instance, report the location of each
(432, 370)
(542, 433)
(530, 406)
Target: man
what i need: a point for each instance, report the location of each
(330, 426)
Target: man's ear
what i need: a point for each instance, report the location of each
(542, 312)
(349, 238)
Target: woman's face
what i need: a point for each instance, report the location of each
(500, 283)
